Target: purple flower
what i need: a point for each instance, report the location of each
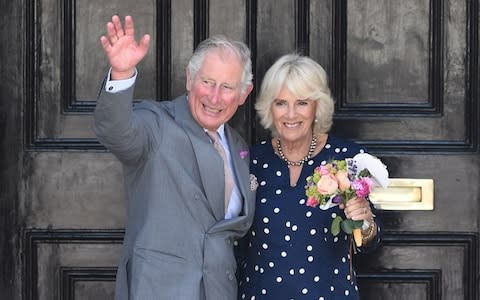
(243, 153)
(337, 199)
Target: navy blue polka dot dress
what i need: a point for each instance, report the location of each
(289, 252)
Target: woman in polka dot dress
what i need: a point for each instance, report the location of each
(290, 252)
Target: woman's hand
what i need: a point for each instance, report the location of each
(357, 209)
(122, 51)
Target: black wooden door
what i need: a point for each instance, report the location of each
(405, 76)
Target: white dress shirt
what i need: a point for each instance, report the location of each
(235, 203)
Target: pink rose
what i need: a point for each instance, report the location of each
(343, 181)
(327, 184)
(312, 202)
(324, 170)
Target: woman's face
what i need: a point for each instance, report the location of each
(293, 118)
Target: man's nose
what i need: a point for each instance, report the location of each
(215, 94)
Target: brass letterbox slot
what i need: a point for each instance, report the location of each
(404, 194)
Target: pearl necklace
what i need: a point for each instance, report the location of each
(313, 145)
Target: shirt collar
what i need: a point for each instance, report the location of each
(220, 131)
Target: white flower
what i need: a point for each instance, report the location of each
(375, 166)
(329, 204)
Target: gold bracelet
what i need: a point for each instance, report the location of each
(366, 238)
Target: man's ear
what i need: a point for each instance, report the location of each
(188, 80)
(244, 95)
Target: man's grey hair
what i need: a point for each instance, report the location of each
(239, 49)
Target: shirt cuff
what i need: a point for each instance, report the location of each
(115, 86)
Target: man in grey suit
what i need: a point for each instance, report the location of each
(181, 227)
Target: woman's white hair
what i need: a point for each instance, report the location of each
(305, 79)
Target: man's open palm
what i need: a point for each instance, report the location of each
(122, 50)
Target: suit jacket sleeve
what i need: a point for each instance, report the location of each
(123, 132)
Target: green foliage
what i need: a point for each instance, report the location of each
(335, 229)
(346, 225)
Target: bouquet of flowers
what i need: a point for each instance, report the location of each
(341, 180)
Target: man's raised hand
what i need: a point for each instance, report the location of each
(122, 50)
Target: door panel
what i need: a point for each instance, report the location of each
(404, 75)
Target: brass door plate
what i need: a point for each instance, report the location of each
(404, 194)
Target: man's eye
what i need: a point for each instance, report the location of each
(208, 82)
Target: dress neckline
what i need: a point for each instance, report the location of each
(286, 169)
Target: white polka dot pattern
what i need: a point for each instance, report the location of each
(291, 252)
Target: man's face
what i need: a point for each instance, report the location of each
(215, 93)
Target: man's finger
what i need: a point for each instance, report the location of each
(129, 27)
(144, 43)
(118, 26)
(105, 43)
(112, 34)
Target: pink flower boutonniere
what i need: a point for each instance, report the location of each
(243, 154)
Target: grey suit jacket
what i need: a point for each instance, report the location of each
(177, 243)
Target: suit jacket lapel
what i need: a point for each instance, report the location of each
(205, 154)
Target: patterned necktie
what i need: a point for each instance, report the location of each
(214, 136)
